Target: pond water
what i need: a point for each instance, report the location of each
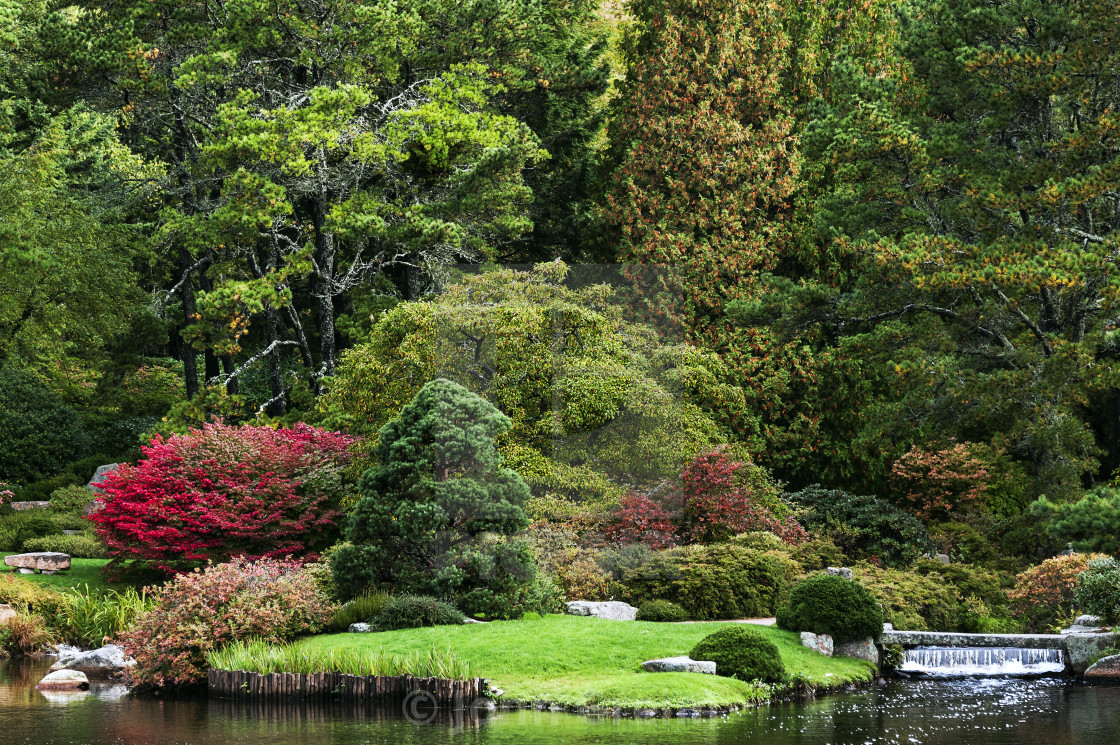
(932, 712)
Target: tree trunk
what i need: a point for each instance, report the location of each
(190, 367)
(324, 288)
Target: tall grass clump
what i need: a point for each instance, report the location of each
(261, 657)
(90, 619)
(362, 609)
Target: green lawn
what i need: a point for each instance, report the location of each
(82, 572)
(579, 661)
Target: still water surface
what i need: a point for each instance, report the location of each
(934, 712)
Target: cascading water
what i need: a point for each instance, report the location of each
(969, 661)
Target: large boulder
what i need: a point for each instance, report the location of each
(861, 649)
(7, 613)
(818, 642)
(1106, 668)
(47, 562)
(1084, 649)
(64, 680)
(102, 664)
(613, 610)
(100, 475)
(679, 665)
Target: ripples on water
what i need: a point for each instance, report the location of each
(932, 712)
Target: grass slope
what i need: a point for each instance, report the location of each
(579, 661)
(82, 572)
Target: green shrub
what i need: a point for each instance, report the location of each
(33, 596)
(864, 527)
(741, 653)
(84, 469)
(415, 611)
(713, 582)
(759, 540)
(1043, 596)
(662, 611)
(827, 604)
(912, 601)
(818, 554)
(41, 491)
(77, 546)
(39, 433)
(1098, 590)
(18, 527)
(1090, 524)
(362, 609)
(71, 498)
(962, 543)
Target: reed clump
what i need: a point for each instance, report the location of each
(262, 657)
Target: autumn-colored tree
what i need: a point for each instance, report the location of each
(942, 482)
(703, 159)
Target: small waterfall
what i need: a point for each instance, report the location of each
(968, 661)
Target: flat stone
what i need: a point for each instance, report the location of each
(1088, 620)
(1079, 629)
(100, 475)
(844, 572)
(102, 663)
(473, 620)
(679, 665)
(7, 613)
(64, 680)
(1084, 649)
(1106, 668)
(360, 628)
(49, 560)
(953, 639)
(613, 610)
(821, 643)
(860, 649)
(36, 505)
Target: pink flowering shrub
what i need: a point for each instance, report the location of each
(206, 609)
(225, 491)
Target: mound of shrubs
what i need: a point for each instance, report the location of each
(1098, 590)
(200, 611)
(713, 582)
(1044, 596)
(827, 604)
(415, 611)
(662, 611)
(742, 653)
(76, 546)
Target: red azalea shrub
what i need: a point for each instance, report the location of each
(1043, 596)
(719, 498)
(937, 483)
(642, 520)
(204, 610)
(225, 491)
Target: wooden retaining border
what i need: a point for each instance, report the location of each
(239, 685)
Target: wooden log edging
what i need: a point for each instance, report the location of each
(239, 685)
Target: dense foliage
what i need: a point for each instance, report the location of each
(827, 604)
(415, 611)
(201, 611)
(1098, 590)
(1044, 597)
(224, 491)
(743, 653)
(661, 611)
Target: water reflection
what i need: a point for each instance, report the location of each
(932, 712)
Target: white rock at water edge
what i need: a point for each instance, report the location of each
(100, 663)
(64, 680)
(818, 642)
(679, 665)
(613, 610)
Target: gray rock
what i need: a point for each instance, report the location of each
(611, 609)
(360, 628)
(861, 649)
(888, 627)
(473, 620)
(844, 572)
(687, 714)
(1087, 620)
(1084, 649)
(64, 680)
(97, 663)
(95, 505)
(22, 506)
(100, 475)
(49, 561)
(1106, 668)
(943, 558)
(818, 642)
(1077, 629)
(645, 713)
(6, 612)
(679, 665)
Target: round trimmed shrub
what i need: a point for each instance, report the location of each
(70, 498)
(827, 604)
(414, 611)
(662, 611)
(741, 653)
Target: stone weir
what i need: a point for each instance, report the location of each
(944, 639)
(1078, 649)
